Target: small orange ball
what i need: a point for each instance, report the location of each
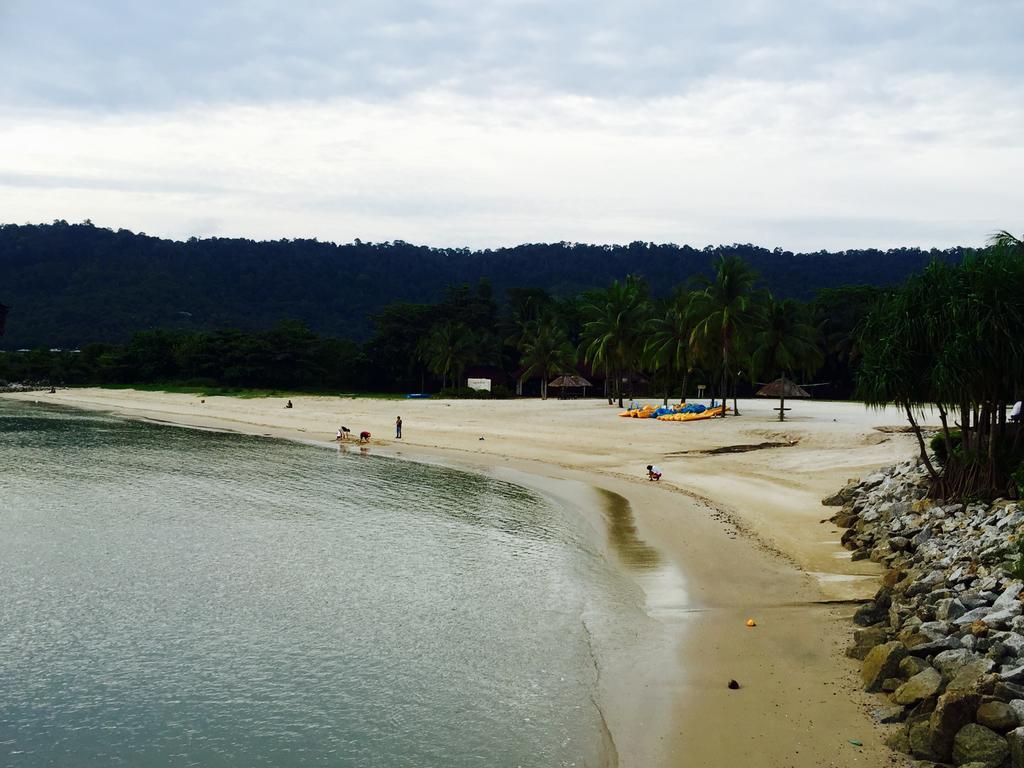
(751, 623)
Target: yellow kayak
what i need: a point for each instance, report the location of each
(710, 413)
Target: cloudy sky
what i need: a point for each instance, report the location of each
(804, 124)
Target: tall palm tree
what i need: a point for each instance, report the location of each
(546, 350)
(725, 312)
(669, 344)
(1003, 239)
(786, 343)
(613, 325)
(446, 350)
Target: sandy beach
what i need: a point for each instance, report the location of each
(743, 526)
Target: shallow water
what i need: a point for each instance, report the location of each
(170, 597)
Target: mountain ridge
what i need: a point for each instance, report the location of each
(71, 284)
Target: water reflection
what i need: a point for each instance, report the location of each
(174, 598)
(623, 536)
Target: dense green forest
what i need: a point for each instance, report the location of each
(69, 285)
(725, 331)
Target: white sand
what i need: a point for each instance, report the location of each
(797, 706)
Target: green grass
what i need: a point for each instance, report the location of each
(246, 392)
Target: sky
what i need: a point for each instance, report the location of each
(801, 124)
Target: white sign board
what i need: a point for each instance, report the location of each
(484, 385)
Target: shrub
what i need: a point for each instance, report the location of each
(1016, 566)
(938, 444)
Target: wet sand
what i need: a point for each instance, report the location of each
(743, 528)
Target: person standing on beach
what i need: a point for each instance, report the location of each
(398, 428)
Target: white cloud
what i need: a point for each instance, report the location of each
(806, 124)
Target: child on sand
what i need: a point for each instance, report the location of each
(653, 473)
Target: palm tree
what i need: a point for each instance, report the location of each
(613, 325)
(725, 312)
(669, 344)
(446, 350)
(546, 349)
(786, 343)
(1003, 239)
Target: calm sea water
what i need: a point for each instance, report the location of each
(173, 598)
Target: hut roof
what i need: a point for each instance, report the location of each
(570, 381)
(782, 388)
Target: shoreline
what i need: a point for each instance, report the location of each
(798, 704)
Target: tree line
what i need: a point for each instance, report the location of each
(725, 331)
(72, 284)
(950, 341)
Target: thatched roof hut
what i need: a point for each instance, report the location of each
(570, 381)
(782, 388)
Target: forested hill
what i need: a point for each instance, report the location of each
(70, 284)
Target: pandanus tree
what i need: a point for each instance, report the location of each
(613, 324)
(725, 312)
(446, 350)
(669, 346)
(546, 350)
(951, 340)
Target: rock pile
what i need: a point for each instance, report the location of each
(944, 635)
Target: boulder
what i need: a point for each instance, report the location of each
(1008, 692)
(974, 676)
(899, 741)
(953, 711)
(843, 495)
(1014, 641)
(870, 613)
(949, 609)
(1010, 596)
(890, 684)
(921, 686)
(1017, 707)
(889, 714)
(949, 662)
(922, 650)
(864, 640)
(882, 663)
(911, 666)
(977, 744)
(1015, 739)
(919, 739)
(996, 715)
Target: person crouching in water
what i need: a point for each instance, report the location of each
(653, 473)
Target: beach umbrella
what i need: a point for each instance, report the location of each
(566, 381)
(782, 388)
